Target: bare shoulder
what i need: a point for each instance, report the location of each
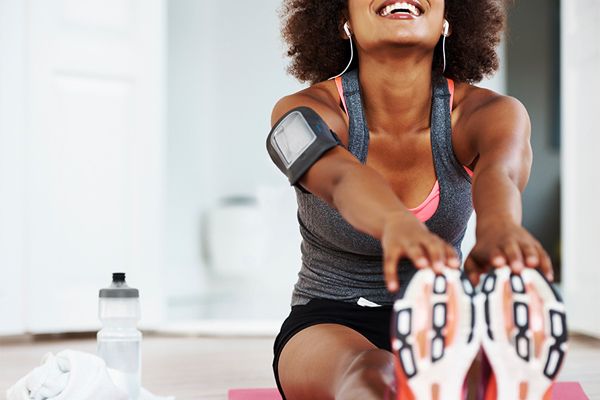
(483, 112)
(475, 102)
(322, 98)
(484, 119)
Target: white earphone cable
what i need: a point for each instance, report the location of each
(444, 52)
(349, 62)
(347, 29)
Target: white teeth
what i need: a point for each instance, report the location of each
(400, 6)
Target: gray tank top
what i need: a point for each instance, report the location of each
(341, 263)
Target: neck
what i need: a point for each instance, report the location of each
(396, 93)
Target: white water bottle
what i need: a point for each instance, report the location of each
(119, 341)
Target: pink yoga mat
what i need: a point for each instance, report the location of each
(568, 391)
(562, 391)
(254, 394)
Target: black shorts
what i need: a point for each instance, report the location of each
(371, 322)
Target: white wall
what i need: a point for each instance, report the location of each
(497, 82)
(226, 71)
(12, 166)
(533, 68)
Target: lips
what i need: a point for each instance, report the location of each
(405, 8)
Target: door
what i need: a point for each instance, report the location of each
(94, 157)
(12, 162)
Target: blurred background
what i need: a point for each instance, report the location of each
(132, 138)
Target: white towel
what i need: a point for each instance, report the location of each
(71, 375)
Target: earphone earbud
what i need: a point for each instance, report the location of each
(446, 28)
(347, 29)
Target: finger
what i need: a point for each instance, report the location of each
(390, 269)
(512, 251)
(470, 265)
(451, 257)
(530, 253)
(546, 263)
(474, 278)
(497, 258)
(435, 251)
(472, 270)
(417, 256)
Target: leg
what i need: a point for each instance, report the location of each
(331, 361)
(370, 376)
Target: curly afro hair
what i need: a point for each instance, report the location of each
(311, 29)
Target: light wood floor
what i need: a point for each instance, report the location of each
(204, 368)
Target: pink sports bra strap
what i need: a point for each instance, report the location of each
(340, 89)
(451, 89)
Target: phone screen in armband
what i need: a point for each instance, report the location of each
(292, 137)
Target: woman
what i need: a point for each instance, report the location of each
(364, 221)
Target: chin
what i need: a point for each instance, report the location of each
(408, 40)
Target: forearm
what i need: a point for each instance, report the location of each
(501, 239)
(500, 133)
(366, 200)
(496, 198)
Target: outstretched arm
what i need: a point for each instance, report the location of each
(500, 130)
(363, 197)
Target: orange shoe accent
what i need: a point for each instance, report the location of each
(422, 329)
(451, 315)
(404, 392)
(536, 319)
(509, 322)
(491, 393)
(435, 392)
(523, 390)
(548, 394)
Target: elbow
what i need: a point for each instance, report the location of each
(337, 185)
(502, 174)
(333, 198)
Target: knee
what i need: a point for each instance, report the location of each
(372, 367)
(377, 359)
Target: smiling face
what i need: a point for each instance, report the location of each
(378, 24)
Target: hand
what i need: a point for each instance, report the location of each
(500, 243)
(405, 237)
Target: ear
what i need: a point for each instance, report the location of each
(344, 25)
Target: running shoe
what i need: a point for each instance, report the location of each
(525, 334)
(434, 335)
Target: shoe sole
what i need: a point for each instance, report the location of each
(525, 336)
(434, 335)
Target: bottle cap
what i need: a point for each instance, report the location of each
(118, 288)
